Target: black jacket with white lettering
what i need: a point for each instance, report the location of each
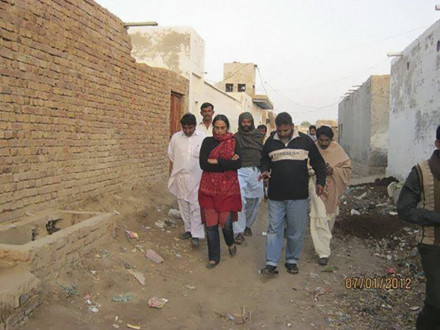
(289, 178)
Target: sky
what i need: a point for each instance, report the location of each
(309, 53)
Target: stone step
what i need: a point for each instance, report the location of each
(20, 295)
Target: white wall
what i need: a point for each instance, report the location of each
(414, 103)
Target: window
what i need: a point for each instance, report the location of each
(229, 87)
(241, 87)
(267, 120)
(438, 46)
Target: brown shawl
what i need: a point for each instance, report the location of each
(336, 183)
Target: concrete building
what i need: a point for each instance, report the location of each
(414, 103)
(182, 50)
(363, 119)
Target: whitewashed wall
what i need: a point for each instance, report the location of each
(414, 103)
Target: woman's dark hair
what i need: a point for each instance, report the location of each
(283, 118)
(312, 127)
(262, 126)
(325, 130)
(188, 119)
(223, 118)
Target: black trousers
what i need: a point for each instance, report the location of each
(429, 317)
(213, 239)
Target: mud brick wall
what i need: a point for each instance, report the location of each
(78, 115)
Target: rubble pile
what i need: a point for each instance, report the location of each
(391, 294)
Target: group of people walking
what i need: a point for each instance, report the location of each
(218, 179)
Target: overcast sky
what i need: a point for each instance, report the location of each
(309, 52)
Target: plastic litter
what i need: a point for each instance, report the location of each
(156, 302)
(153, 256)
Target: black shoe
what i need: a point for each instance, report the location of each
(292, 268)
(239, 238)
(232, 250)
(269, 270)
(186, 235)
(211, 264)
(323, 261)
(195, 242)
(247, 232)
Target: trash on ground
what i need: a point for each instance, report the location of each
(362, 196)
(355, 212)
(138, 276)
(131, 234)
(160, 224)
(123, 297)
(414, 308)
(133, 326)
(175, 213)
(94, 309)
(153, 256)
(156, 302)
(69, 290)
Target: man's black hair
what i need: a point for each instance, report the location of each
(205, 105)
(312, 127)
(221, 117)
(325, 130)
(188, 119)
(262, 126)
(283, 118)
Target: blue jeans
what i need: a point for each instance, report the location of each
(296, 213)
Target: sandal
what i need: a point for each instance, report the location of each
(292, 268)
(232, 250)
(269, 270)
(211, 264)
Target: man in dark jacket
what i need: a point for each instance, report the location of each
(250, 141)
(419, 203)
(285, 155)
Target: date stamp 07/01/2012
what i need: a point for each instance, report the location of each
(386, 283)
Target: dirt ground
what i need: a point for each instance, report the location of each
(374, 245)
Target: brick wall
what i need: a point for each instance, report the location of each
(77, 114)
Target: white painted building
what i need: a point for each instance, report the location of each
(363, 118)
(414, 103)
(182, 50)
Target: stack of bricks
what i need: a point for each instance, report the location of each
(78, 115)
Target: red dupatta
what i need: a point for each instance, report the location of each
(220, 191)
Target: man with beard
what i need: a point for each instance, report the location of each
(183, 151)
(250, 141)
(207, 112)
(419, 203)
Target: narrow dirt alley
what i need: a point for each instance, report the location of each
(233, 295)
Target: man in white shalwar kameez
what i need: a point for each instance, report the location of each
(184, 181)
(325, 208)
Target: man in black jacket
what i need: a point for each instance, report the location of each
(419, 203)
(285, 155)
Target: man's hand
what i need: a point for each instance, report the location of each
(265, 175)
(235, 157)
(319, 189)
(212, 161)
(329, 169)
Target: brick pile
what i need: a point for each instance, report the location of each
(77, 114)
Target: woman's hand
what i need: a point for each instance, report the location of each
(235, 157)
(212, 161)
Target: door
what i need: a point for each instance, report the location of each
(175, 115)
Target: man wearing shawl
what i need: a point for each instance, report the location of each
(250, 141)
(324, 208)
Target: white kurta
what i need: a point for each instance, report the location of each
(202, 128)
(185, 178)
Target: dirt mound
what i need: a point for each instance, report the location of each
(368, 226)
